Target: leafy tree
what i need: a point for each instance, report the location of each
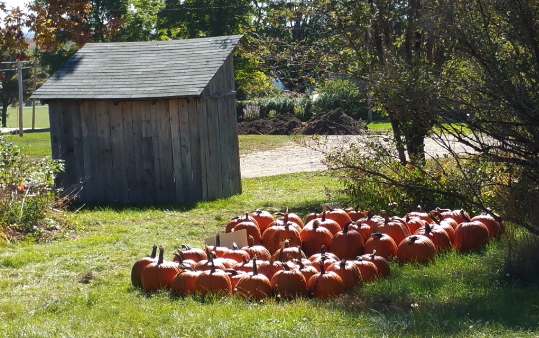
(290, 35)
(61, 27)
(140, 21)
(388, 45)
(200, 18)
(486, 98)
(12, 46)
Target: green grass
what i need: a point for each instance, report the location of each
(80, 286)
(252, 143)
(41, 117)
(381, 125)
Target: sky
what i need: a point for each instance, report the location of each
(14, 3)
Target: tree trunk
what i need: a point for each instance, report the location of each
(415, 144)
(398, 140)
(4, 115)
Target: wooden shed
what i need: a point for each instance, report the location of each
(146, 122)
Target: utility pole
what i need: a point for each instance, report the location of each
(19, 77)
(34, 89)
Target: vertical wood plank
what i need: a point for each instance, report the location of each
(234, 146)
(118, 154)
(214, 166)
(174, 107)
(104, 154)
(156, 145)
(185, 144)
(78, 149)
(65, 137)
(205, 135)
(129, 150)
(165, 141)
(138, 189)
(54, 123)
(194, 141)
(148, 152)
(224, 150)
(94, 190)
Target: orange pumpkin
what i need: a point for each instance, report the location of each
(289, 283)
(136, 270)
(253, 285)
(347, 244)
(384, 245)
(416, 248)
(158, 275)
(325, 284)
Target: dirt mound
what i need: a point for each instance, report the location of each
(334, 122)
(286, 124)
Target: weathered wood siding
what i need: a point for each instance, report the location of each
(174, 150)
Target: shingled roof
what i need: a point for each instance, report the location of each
(139, 70)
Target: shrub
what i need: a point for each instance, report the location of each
(26, 193)
(341, 94)
(374, 178)
(521, 264)
(300, 106)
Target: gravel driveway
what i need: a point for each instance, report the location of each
(295, 157)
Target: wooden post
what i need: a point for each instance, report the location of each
(34, 89)
(19, 77)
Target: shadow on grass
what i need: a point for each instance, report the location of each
(462, 294)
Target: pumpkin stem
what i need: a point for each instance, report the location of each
(154, 251)
(161, 254)
(255, 268)
(377, 235)
(301, 253)
(323, 216)
(373, 253)
(323, 250)
(345, 229)
(428, 228)
(385, 216)
(212, 269)
(178, 257)
(217, 240)
(286, 267)
(464, 215)
(316, 224)
(300, 263)
(235, 246)
(231, 271)
(322, 270)
(413, 238)
(286, 243)
(185, 247)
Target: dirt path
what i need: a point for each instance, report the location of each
(295, 157)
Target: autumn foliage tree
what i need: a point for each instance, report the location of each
(12, 46)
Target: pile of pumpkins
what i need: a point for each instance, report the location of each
(322, 256)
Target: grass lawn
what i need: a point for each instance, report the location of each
(41, 117)
(79, 285)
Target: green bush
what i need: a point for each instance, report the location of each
(341, 94)
(374, 178)
(300, 106)
(26, 193)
